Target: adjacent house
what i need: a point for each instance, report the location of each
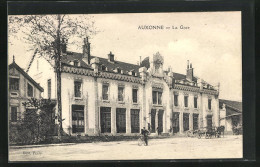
(230, 114)
(106, 96)
(21, 88)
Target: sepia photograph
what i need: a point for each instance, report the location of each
(125, 86)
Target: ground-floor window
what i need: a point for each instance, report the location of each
(153, 114)
(77, 118)
(120, 120)
(105, 117)
(209, 121)
(135, 123)
(195, 121)
(185, 121)
(175, 122)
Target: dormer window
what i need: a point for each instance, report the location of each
(76, 63)
(103, 68)
(133, 73)
(119, 70)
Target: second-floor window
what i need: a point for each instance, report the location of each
(121, 93)
(176, 100)
(14, 84)
(77, 88)
(29, 90)
(185, 101)
(209, 104)
(135, 95)
(105, 91)
(157, 97)
(195, 102)
(49, 88)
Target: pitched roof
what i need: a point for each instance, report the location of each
(17, 67)
(234, 105)
(126, 67)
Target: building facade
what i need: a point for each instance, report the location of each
(230, 114)
(21, 88)
(105, 96)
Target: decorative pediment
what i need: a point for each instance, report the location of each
(13, 71)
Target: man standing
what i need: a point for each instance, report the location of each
(145, 133)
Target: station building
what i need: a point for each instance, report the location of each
(109, 97)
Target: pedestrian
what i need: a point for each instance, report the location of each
(145, 133)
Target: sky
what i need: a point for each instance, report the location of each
(212, 44)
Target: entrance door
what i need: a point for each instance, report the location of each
(185, 121)
(105, 117)
(120, 120)
(160, 121)
(153, 113)
(135, 125)
(175, 122)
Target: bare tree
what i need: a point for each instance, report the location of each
(46, 34)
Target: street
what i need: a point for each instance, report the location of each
(169, 148)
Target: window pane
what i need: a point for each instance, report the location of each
(77, 88)
(159, 97)
(14, 84)
(135, 95)
(105, 92)
(195, 102)
(13, 114)
(186, 101)
(29, 90)
(120, 93)
(154, 97)
(175, 100)
(209, 104)
(49, 88)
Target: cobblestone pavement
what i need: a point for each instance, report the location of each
(169, 148)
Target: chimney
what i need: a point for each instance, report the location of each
(86, 51)
(189, 74)
(64, 45)
(111, 57)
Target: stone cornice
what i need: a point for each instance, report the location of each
(107, 75)
(195, 89)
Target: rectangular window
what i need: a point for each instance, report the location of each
(77, 88)
(120, 93)
(49, 88)
(14, 84)
(135, 95)
(105, 117)
(154, 97)
(176, 100)
(209, 104)
(209, 121)
(135, 125)
(121, 120)
(195, 121)
(185, 101)
(29, 90)
(157, 97)
(195, 102)
(105, 91)
(13, 114)
(77, 118)
(185, 121)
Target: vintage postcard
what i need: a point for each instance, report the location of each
(125, 86)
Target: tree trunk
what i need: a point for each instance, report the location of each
(58, 71)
